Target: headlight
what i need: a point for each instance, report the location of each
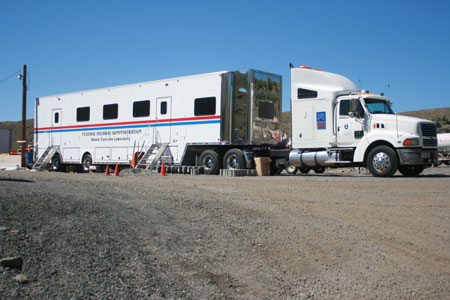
(411, 142)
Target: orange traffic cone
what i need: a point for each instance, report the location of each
(116, 171)
(163, 170)
(107, 170)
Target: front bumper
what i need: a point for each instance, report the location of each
(417, 156)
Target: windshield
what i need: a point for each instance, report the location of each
(378, 106)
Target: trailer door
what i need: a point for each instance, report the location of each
(55, 135)
(163, 120)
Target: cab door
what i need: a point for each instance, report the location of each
(349, 128)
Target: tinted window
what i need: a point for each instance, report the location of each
(110, 111)
(141, 109)
(344, 107)
(205, 106)
(306, 94)
(83, 114)
(266, 109)
(163, 109)
(57, 117)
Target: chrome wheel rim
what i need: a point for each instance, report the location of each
(232, 162)
(381, 162)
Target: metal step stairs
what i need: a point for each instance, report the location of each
(45, 158)
(150, 158)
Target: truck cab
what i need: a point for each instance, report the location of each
(335, 124)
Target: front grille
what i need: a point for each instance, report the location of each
(430, 142)
(428, 129)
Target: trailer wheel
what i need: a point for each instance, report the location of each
(382, 161)
(411, 171)
(86, 163)
(304, 169)
(234, 159)
(56, 164)
(319, 170)
(210, 160)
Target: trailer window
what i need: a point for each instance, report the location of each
(141, 109)
(110, 111)
(306, 94)
(205, 106)
(83, 114)
(266, 109)
(163, 108)
(56, 117)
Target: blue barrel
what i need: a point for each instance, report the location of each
(29, 157)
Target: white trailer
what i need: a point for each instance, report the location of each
(216, 120)
(334, 124)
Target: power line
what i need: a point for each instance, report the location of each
(6, 78)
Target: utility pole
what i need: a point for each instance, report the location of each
(24, 116)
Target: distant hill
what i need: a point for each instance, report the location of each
(16, 132)
(439, 115)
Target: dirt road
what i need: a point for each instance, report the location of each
(329, 236)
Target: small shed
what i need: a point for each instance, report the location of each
(5, 140)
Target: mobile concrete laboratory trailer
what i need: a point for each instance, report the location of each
(216, 120)
(335, 124)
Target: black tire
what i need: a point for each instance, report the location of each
(86, 163)
(437, 163)
(291, 170)
(382, 161)
(411, 171)
(56, 164)
(304, 169)
(210, 160)
(274, 169)
(234, 159)
(446, 162)
(319, 170)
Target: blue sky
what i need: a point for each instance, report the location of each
(401, 48)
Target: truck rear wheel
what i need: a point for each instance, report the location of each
(411, 171)
(291, 170)
(382, 161)
(304, 169)
(319, 170)
(210, 160)
(234, 159)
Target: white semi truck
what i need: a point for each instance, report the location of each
(334, 124)
(224, 119)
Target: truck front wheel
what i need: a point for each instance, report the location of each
(411, 171)
(382, 161)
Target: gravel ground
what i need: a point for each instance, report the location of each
(335, 235)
